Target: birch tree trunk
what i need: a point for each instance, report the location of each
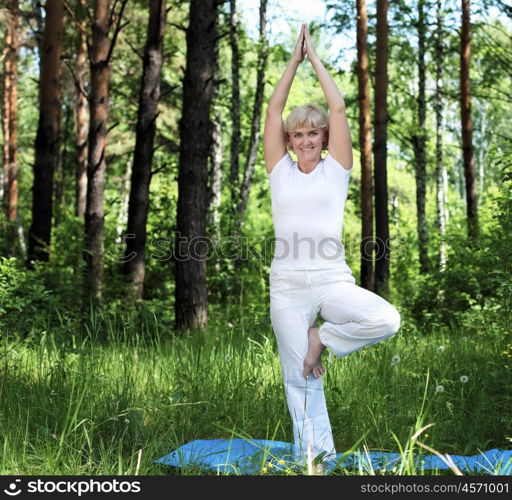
(48, 131)
(256, 116)
(234, 175)
(418, 142)
(365, 146)
(380, 152)
(195, 142)
(467, 124)
(149, 96)
(439, 108)
(215, 159)
(215, 176)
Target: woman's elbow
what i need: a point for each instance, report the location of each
(338, 109)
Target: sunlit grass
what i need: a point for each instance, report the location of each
(117, 399)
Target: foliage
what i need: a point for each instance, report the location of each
(26, 304)
(96, 403)
(477, 275)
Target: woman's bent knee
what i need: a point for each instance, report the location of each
(388, 321)
(392, 320)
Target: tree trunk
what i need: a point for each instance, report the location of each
(124, 195)
(234, 175)
(215, 177)
(365, 145)
(100, 54)
(467, 124)
(482, 154)
(47, 138)
(215, 169)
(418, 142)
(195, 141)
(82, 115)
(149, 96)
(380, 153)
(10, 115)
(96, 164)
(256, 117)
(439, 108)
(60, 174)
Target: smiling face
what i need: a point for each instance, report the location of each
(307, 143)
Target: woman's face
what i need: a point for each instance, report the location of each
(307, 143)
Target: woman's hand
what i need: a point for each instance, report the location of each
(310, 48)
(300, 50)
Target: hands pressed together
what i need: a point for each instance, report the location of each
(304, 46)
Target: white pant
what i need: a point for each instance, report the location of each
(354, 318)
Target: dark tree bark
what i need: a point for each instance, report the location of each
(467, 124)
(234, 175)
(100, 55)
(82, 114)
(9, 121)
(418, 141)
(195, 142)
(134, 264)
(365, 146)
(96, 165)
(256, 116)
(439, 108)
(48, 131)
(380, 153)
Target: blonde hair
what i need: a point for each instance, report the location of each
(307, 115)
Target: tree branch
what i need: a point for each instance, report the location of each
(75, 78)
(118, 28)
(74, 18)
(141, 56)
(178, 26)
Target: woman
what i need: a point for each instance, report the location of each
(309, 276)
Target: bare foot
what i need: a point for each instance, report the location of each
(312, 361)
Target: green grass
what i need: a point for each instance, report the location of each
(99, 403)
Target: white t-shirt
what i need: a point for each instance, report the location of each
(307, 211)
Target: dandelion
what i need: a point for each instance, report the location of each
(440, 348)
(281, 462)
(228, 358)
(479, 296)
(439, 388)
(464, 379)
(465, 339)
(395, 359)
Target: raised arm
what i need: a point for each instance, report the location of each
(274, 142)
(340, 142)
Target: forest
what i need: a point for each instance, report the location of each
(136, 232)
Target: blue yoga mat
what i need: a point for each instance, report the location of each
(240, 456)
